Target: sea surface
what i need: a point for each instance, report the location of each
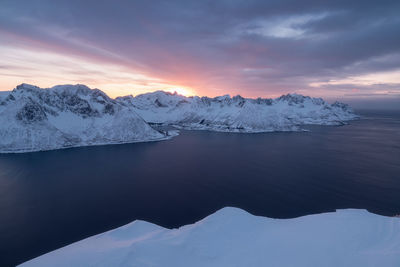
(51, 199)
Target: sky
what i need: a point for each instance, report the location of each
(345, 50)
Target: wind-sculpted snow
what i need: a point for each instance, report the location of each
(233, 237)
(237, 114)
(34, 119)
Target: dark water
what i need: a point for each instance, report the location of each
(50, 199)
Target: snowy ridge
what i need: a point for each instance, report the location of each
(233, 237)
(34, 119)
(237, 114)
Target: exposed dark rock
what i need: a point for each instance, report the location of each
(159, 104)
(109, 109)
(10, 97)
(31, 112)
(180, 103)
(79, 106)
(264, 101)
(341, 105)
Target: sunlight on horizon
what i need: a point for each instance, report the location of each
(46, 69)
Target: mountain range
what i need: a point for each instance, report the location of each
(35, 119)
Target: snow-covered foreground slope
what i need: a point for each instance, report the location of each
(33, 119)
(233, 237)
(237, 114)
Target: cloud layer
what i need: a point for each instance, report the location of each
(255, 48)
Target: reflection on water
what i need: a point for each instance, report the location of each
(50, 199)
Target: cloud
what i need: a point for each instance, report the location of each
(255, 48)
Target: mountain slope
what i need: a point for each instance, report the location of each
(233, 237)
(34, 119)
(237, 114)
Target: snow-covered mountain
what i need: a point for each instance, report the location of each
(33, 119)
(233, 237)
(237, 114)
(3, 94)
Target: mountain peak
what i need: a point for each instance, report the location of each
(26, 86)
